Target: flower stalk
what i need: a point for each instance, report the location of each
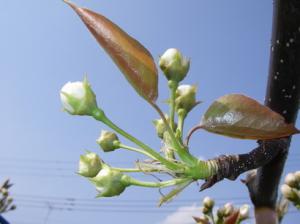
(99, 115)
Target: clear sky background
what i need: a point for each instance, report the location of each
(43, 45)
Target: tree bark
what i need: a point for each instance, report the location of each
(282, 96)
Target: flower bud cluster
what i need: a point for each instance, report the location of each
(6, 201)
(223, 214)
(108, 182)
(291, 188)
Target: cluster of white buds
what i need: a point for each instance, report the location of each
(291, 188)
(108, 182)
(226, 214)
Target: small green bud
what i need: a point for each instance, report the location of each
(108, 141)
(13, 207)
(89, 164)
(228, 209)
(208, 203)
(174, 65)
(110, 182)
(244, 212)
(78, 98)
(160, 126)
(291, 180)
(185, 98)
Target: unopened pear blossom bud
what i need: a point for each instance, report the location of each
(13, 207)
(89, 165)
(228, 209)
(186, 98)
(108, 141)
(220, 212)
(297, 174)
(174, 65)
(208, 203)
(291, 180)
(109, 182)
(78, 98)
(244, 212)
(290, 193)
(160, 126)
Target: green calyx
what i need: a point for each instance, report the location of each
(110, 182)
(108, 141)
(161, 127)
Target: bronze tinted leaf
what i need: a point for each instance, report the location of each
(239, 116)
(134, 60)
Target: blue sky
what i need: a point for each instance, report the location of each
(43, 45)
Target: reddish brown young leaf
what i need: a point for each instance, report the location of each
(134, 60)
(239, 116)
(233, 218)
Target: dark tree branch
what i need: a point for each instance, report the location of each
(231, 166)
(283, 94)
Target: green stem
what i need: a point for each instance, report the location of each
(135, 150)
(99, 115)
(127, 170)
(181, 151)
(173, 87)
(157, 184)
(211, 215)
(181, 118)
(134, 170)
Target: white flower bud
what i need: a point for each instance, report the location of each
(186, 98)
(107, 141)
(297, 174)
(291, 180)
(89, 165)
(208, 203)
(228, 209)
(220, 212)
(290, 193)
(174, 65)
(244, 212)
(78, 98)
